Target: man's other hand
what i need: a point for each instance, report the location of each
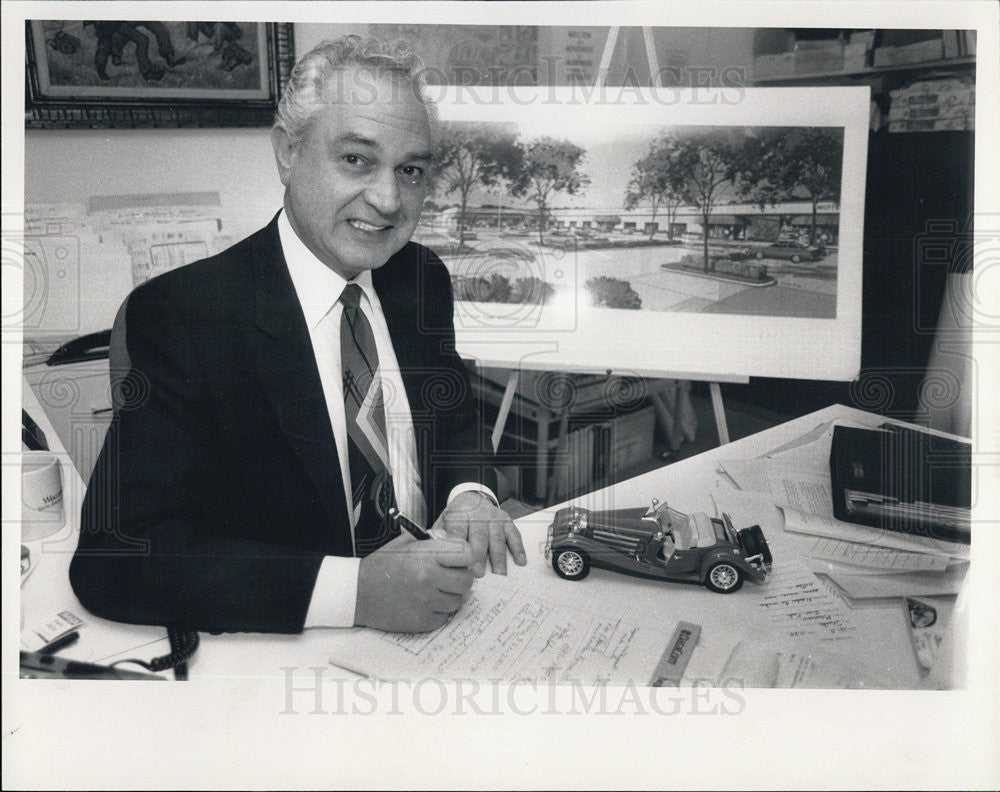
(412, 586)
(488, 529)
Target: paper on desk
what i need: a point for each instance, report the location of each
(810, 451)
(747, 474)
(880, 559)
(757, 663)
(799, 605)
(503, 632)
(795, 603)
(807, 501)
(807, 452)
(805, 439)
(903, 585)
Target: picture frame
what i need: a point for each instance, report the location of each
(585, 269)
(106, 74)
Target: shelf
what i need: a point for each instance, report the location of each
(965, 61)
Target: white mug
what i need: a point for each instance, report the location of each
(41, 495)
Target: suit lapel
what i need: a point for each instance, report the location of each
(397, 284)
(287, 369)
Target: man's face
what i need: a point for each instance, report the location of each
(355, 185)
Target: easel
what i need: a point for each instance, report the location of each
(715, 391)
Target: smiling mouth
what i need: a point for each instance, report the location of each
(361, 225)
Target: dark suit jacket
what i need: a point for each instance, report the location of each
(218, 491)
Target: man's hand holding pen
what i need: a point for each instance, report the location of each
(416, 582)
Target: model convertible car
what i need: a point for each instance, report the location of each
(659, 543)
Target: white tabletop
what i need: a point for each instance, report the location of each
(875, 639)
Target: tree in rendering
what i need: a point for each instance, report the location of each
(707, 161)
(549, 167)
(794, 163)
(471, 154)
(656, 180)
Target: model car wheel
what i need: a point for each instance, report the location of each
(723, 578)
(571, 564)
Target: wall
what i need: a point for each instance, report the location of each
(70, 166)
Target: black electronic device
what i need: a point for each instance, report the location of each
(39, 665)
(183, 644)
(903, 480)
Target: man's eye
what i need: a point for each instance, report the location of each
(354, 159)
(412, 173)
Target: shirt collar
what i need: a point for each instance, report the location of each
(316, 285)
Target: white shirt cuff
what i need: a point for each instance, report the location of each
(471, 486)
(335, 595)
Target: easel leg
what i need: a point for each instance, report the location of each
(720, 412)
(542, 457)
(505, 404)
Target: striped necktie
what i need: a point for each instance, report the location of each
(368, 451)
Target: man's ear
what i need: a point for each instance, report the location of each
(284, 152)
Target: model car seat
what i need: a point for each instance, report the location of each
(703, 530)
(682, 533)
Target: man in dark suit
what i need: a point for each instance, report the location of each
(240, 487)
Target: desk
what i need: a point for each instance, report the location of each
(879, 638)
(47, 591)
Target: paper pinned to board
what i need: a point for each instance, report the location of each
(161, 231)
(505, 633)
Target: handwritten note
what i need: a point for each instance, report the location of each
(503, 633)
(798, 605)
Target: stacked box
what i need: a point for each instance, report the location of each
(883, 56)
(933, 105)
(955, 124)
(555, 390)
(607, 432)
(866, 37)
(813, 57)
(950, 43)
(621, 444)
(929, 50)
(780, 64)
(856, 56)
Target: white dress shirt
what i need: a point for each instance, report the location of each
(318, 289)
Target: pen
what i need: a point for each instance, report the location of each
(59, 643)
(400, 521)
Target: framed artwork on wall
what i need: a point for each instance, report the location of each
(98, 74)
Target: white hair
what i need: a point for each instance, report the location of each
(315, 70)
